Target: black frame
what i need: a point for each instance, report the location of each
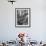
(28, 18)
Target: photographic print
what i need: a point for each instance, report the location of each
(22, 17)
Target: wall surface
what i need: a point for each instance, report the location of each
(8, 31)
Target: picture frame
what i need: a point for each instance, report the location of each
(22, 17)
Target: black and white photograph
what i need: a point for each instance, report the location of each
(22, 17)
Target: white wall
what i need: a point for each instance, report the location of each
(8, 31)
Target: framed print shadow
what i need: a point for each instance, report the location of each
(22, 17)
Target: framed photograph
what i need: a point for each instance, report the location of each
(22, 17)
